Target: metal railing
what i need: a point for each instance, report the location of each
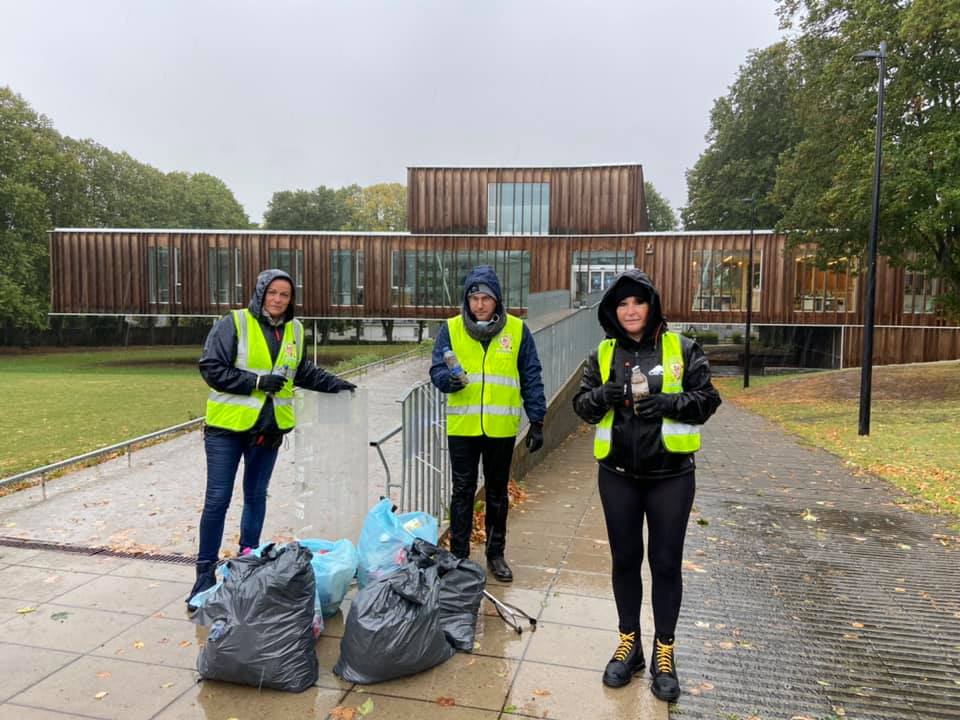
(425, 483)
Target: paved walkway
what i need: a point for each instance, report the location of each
(810, 593)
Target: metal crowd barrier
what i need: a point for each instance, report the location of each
(425, 483)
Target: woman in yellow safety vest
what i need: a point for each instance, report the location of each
(252, 359)
(647, 390)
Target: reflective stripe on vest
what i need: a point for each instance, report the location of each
(240, 412)
(490, 404)
(676, 436)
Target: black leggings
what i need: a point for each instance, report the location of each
(666, 505)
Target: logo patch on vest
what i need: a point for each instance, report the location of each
(291, 351)
(677, 369)
(506, 343)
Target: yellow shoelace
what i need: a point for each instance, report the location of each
(664, 657)
(626, 645)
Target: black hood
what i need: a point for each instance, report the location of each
(486, 275)
(263, 280)
(607, 311)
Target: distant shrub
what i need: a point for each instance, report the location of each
(736, 338)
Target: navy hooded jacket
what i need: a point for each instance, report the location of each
(528, 362)
(220, 352)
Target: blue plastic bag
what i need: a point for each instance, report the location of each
(334, 565)
(386, 537)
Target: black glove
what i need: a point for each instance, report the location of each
(271, 383)
(653, 407)
(613, 394)
(534, 439)
(346, 385)
(458, 381)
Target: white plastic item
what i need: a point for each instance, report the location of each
(331, 464)
(638, 384)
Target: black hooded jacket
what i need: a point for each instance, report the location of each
(220, 352)
(636, 446)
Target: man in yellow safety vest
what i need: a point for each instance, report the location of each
(492, 374)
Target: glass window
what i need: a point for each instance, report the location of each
(177, 277)
(518, 208)
(158, 274)
(920, 292)
(291, 262)
(224, 275)
(829, 288)
(436, 279)
(346, 277)
(721, 277)
(593, 271)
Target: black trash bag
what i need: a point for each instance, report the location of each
(261, 622)
(393, 628)
(461, 591)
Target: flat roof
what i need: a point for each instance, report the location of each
(353, 233)
(521, 166)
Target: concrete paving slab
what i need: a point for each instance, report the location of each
(219, 701)
(64, 627)
(132, 693)
(40, 584)
(134, 595)
(21, 667)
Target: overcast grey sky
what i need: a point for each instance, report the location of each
(285, 94)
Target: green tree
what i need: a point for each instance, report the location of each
(749, 128)
(659, 213)
(320, 209)
(379, 207)
(200, 200)
(824, 183)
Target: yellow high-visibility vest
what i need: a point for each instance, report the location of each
(677, 437)
(240, 412)
(491, 404)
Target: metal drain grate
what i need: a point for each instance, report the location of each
(101, 551)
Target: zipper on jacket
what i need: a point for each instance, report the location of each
(483, 380)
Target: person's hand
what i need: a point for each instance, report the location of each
(534, 439)
(653, 407)
(458, 381)
(613, 394)
(271, 383)
(346, 385)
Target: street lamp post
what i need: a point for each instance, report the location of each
(866, 369)
(749, 329)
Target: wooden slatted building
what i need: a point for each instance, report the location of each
(543, 229)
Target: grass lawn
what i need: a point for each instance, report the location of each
(63, 404)
(914, 439)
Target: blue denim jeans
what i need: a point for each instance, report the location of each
(223, 459)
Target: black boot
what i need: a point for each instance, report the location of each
(664, 671)
(501, 571)
(626, 661)
(206, 579)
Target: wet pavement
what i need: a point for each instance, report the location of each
(810, 593)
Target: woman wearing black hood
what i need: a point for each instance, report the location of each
(647, 390)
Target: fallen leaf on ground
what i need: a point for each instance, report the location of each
(809, 516)
(138, 644)
(101, 695)
(104, 674)
(25, 610)
(167, 685)
(541, 693)
(185, 643)
(446, 701)
(343, 713)
(366, 708)
(857, 624)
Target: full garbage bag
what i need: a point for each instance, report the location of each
(461, 591)
(334, 566)
(393, 628)
(386, 537)
(261, 622)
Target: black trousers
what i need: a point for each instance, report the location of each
(466, 454)
(666, 506)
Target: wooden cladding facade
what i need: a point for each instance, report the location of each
(602, 199)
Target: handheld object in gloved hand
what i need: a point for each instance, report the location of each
(458, 376)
